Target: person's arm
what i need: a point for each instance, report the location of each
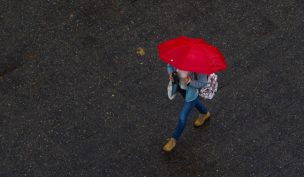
(202, 81)
(170, 69)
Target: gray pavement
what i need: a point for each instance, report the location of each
(76, 100)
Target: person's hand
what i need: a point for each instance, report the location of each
(171, 77)
(186, 80)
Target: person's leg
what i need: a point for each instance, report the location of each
(187, 107)
(200, 106)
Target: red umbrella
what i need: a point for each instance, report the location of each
(192, 55)
(182, 40)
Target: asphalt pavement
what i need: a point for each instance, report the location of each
(76, 100)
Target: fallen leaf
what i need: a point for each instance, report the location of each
(140, 51)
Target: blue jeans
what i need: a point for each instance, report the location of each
(183, 116)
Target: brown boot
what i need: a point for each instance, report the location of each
(169, 145)
(201, 119)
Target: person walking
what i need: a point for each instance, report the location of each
(189, 63)
(188, 84)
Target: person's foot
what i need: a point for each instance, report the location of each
(201, 119)
(169, 145)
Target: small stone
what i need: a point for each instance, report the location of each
(72, 15)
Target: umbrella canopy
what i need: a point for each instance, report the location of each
(190, 54)
(164, 47)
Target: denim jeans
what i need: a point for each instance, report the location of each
(186, 109)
